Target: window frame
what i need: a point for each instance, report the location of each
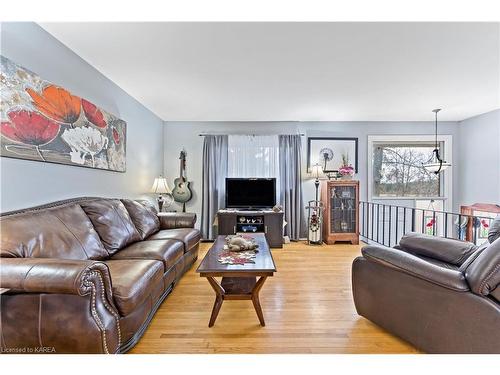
(446, 153)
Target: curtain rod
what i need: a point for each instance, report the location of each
(205, 134)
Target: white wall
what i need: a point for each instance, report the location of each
(185, 134)
(479, 159)
(25, 183)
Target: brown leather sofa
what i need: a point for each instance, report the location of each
(439, 294)
(87, 275)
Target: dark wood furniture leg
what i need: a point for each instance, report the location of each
(219, 298)
(242, 288)
(256, 301)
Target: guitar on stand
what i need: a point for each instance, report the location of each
(181, 191)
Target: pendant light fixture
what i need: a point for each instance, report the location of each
(436, 164)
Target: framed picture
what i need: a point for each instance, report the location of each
(328, 152)
(44, 122)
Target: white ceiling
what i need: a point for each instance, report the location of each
(296, 71)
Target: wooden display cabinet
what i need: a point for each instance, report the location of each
(483, 210)
(341, 216)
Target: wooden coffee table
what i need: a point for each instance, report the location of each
(239, 282)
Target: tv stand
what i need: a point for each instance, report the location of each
(253, 221)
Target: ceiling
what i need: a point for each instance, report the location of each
(296, 71)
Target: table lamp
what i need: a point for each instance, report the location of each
(160, 187)
(316, 171)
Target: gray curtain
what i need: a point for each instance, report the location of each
(214, 181)
(291, 185)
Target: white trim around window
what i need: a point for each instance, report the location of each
(446, 152)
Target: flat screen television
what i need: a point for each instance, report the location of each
(250, 193)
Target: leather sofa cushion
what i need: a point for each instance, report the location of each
(113, 223)
(63, 232)
(133, 281)
(473, 257)
(439, 263)
(496, 293)
(188, 236)
(415, 266)
(444, 249)
(166, 251)
(143, 216)
(483, 274)
(494, 231)
(172, 220)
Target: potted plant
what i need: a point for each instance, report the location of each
(346, 171)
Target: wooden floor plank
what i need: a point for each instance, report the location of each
(305, 312)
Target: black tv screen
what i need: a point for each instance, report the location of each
(250, 192)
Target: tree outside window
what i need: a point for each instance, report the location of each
(398, 171)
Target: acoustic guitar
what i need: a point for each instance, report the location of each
(181, 191)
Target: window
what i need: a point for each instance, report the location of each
(395, 171)
(254, 156)
(398, 171)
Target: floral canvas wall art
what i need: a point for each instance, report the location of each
(44, 122)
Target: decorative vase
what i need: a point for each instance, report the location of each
(346, 177)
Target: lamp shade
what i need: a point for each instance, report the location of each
(437, 167)
(316, 170)
(160, 186)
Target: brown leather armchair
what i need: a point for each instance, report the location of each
(87, 275)
(439, 294)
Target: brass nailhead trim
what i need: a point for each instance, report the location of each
(95, 315)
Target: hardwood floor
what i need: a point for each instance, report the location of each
(305, 312)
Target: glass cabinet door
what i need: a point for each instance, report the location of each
(343, 209)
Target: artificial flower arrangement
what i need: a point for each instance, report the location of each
(346, 170)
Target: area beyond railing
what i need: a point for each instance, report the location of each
(386, 224)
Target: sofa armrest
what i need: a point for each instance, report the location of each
(46, 275)
(414, 266)
(79, 291)
(173, 220)
(444, 249)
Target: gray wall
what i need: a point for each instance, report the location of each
(479, 159)
(25, 183)
(185, 134)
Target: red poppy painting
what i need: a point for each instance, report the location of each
(45, 122)
(57, 104)
(116, 136)
(93, 114)
(29, 128)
